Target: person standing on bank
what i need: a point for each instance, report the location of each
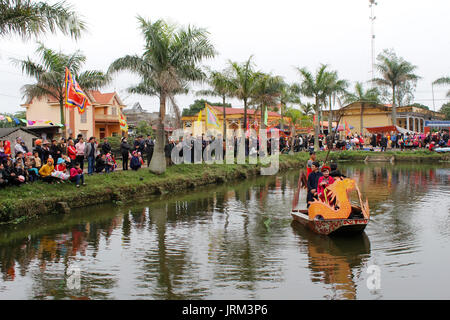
(106, 147)
(90, 153)
(149, 147)
(125, 151)
(80, 146)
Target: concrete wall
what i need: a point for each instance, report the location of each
(27, 137)
(40, 109)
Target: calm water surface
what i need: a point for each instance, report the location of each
(237, 241)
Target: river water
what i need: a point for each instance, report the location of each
(237, 241)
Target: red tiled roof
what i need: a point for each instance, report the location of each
(95, 96)
(241, 111)
(101, 98)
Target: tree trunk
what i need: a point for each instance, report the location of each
(158, 163)
(245, 114)
(361, 119)
(224, 119)
(394, 110)
(263, 110)
(330, 118)
(61, 109)
(316, 127)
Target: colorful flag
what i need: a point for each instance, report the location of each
(16, 120)
(199, 119)
(123, 123)
(2, 117)
(75, 97)
(347, 129)
(9, 119)
(31, 122)
(211, 117)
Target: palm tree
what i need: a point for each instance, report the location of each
(50, 75)
(169, 62)
(395, 71)
(243, 82)
(266, 92)
(307, 109)
(30, 18)
(295, 116)
(317, 87)
(288, 94)
(364, 97)
(337, 87)
(443, 81)
(220, 82)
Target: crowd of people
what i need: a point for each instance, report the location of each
(382, 141)
(64, 160)
(53, 161)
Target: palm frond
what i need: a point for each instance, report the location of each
(29, 18)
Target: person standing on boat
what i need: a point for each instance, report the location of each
(312, 158)
(313, 181)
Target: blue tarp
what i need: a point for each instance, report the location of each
(445, 124)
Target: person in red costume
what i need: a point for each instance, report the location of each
(325, 181)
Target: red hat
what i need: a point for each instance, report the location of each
(325, 168)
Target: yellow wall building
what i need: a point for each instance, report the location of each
(379, 115)
(101, 118)
(234, 119)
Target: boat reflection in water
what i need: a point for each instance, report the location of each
(334, 261)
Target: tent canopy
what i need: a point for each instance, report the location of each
(388, 129)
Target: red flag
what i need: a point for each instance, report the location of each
(347, 129)
(75, 97)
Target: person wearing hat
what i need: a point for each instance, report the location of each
(46, 171)
(313, 181)
(38, 149)
(324, 181)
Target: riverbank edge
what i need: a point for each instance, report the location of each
(14, 212)
(177, 178)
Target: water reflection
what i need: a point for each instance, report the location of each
(235, 242)
(334, 261)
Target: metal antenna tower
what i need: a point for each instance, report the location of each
(372, 21)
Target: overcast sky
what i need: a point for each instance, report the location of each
(280, 34)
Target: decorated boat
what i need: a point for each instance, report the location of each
(324, 218)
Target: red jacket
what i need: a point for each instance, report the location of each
(74, 172)
(72, 152)
(7, 146)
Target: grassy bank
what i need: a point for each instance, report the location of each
(411, 156)
(20, 203)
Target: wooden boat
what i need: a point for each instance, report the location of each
(342, 219)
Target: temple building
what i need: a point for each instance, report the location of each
(234, 119)
(372, 115)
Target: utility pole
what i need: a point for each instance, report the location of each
(432, 92)
(372, 20)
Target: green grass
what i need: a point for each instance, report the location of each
(39, 197)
